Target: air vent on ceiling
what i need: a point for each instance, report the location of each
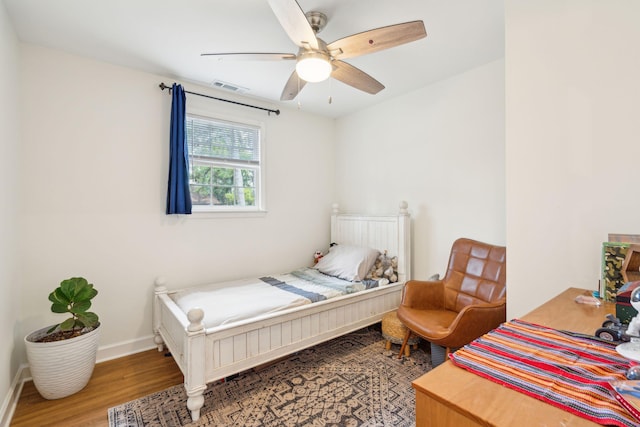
(228, 86)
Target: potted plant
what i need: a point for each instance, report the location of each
(62, 357)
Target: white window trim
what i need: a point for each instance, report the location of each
(236, 211)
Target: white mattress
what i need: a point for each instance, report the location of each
(229, 302)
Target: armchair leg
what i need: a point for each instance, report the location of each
(404, 343)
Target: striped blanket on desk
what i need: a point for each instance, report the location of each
(569, 371)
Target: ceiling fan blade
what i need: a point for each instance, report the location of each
(295, 24)
(355, 77)
(250, 56)
(293, 87)
(377, 39)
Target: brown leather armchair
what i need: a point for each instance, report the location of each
(469, 302)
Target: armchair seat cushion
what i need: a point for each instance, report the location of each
(434, 324)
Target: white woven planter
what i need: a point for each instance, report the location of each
(61, 368)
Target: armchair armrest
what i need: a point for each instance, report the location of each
(476, 320)
(423, 295)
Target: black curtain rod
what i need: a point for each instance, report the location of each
(269, 111)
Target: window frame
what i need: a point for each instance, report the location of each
(260, 188)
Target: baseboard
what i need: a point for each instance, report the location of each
(11, 399)
(125, 348)
(105, 353)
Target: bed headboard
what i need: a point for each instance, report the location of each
(383, 232)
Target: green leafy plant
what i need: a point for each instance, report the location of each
(74, 296)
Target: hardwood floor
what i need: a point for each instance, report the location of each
(113, 382)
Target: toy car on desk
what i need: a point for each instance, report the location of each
(613, 330)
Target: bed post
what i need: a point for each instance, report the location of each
(159, 289)
(194, 379)
(334, 220)
(404, 242)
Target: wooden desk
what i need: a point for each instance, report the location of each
(449, 396)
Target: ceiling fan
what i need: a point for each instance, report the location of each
(317, 60)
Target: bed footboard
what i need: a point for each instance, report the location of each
(232, 350)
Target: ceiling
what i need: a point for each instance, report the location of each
(166, 37)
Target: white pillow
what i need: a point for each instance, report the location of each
(350, 263)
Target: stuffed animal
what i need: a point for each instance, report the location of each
(393, 277)
(385, 268)
(317, 256)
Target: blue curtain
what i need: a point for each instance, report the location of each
(178, 196)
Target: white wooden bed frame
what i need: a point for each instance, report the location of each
(207, 355)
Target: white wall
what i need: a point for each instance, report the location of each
(572, 128)
(441, 148)
(94, 175)
(10, 287)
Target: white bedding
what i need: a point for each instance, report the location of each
(228, 302)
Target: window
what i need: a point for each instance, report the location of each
(224, 165)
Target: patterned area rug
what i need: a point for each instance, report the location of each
(348, 381)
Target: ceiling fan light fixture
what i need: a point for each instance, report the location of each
(313, 67)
